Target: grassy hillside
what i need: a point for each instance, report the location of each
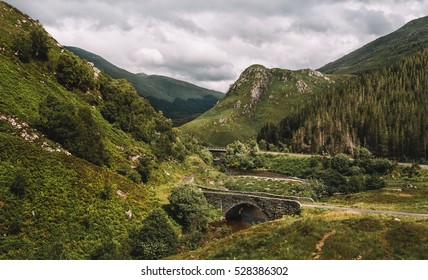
(384, 51)
(177, 99)
(259, 96)
(80, 153)
(325, 235)
(56, 206)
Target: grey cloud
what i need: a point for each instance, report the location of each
(211, 42)
(371, 21)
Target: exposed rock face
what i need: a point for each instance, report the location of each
(258, 76)
(258, 79)
(262, 80)
(302, 87)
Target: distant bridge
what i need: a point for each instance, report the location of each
(233, 203)
(216, 149)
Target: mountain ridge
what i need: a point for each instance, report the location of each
(383, 51)
(177, 99)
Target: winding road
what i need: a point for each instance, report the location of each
(190, 180)
(367, 211)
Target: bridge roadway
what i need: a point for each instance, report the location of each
(231, 202)
(216, 149)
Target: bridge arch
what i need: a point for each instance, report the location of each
(246, 212)
(231, 203)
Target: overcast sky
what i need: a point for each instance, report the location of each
(210, 43)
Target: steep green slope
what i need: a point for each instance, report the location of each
(259, 96)
(128, 125)
(384, 51)
(176, 99)
(326, 236)
(56, 206)
(80, 153)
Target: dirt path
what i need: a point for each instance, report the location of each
(321, 243)
(368, 211)
(410, 164)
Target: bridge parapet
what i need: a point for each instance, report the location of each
(261, 194)
(273, 207)
(216, 149)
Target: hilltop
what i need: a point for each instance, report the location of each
(178, 100)
(384, 51)
(259, 96)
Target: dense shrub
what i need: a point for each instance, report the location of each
(19, 185)
(21, 45)
(39, 44)
(240, 156)
(341, 163)
(74, 73)
(33, 45)
(312, 188)
(375, 182)
(133, 114)
(73, 128)
(156, 238)
(189, 207)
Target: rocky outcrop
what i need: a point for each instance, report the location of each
(302, 87)
(29, 134)
(258, 79)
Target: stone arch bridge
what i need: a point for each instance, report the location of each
(273, 206)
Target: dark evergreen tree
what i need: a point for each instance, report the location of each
(382, 110)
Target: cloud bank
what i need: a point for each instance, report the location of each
(210, 43)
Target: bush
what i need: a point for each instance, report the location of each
(75, 129)
(74, 73)
(240, 156)
(156, 238)
(375, 183)
(335, 181)
(107, 250)
(39, 43)
(363, 154)
(191, 240)
(356, 184)
(144, 168)
(21, 45)
(189, 207)
(19, 185)
(341, 163)
(312, 188)
(412, 171)
(380, 166)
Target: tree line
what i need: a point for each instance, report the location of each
(383, 110)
